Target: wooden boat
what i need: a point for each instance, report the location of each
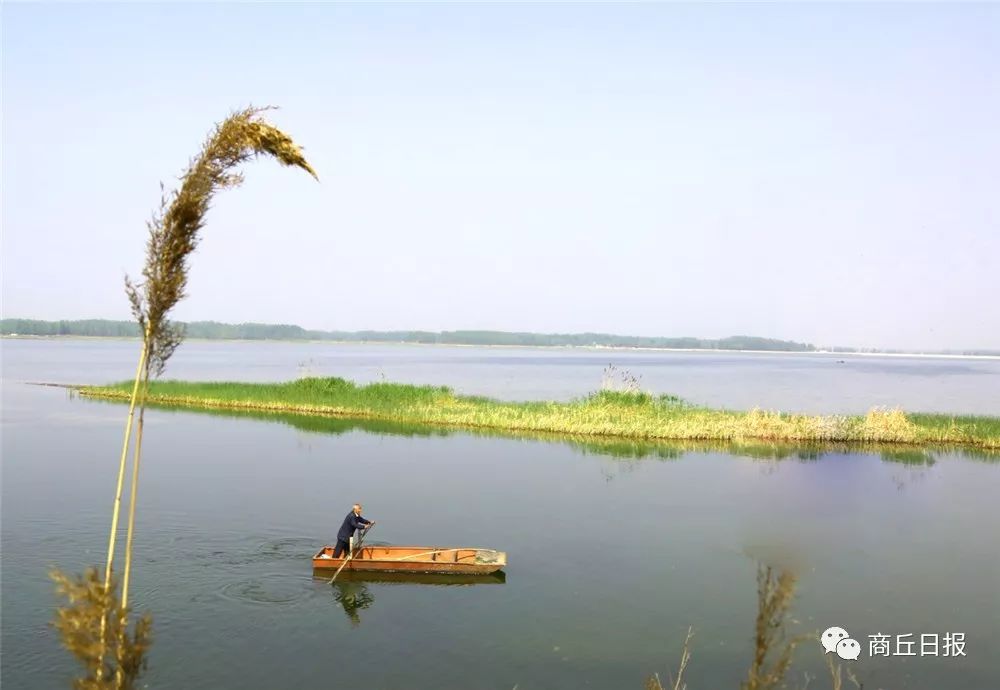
(414, 559)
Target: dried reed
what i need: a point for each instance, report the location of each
(94, 625)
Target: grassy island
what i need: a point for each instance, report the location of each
(607, 414)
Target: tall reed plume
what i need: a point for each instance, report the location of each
(94, 623)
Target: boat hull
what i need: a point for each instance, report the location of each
(414, 559)
(388, 577)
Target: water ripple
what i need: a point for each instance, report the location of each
(269, 589)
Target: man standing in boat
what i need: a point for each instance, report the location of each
(352, 522)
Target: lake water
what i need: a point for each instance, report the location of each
(613, 551)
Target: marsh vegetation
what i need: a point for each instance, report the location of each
(619, 411)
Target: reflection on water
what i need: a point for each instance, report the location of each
(351, 589)
(612, 447)
(352, 596)
(775, 647)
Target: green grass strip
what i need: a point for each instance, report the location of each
(638, 416)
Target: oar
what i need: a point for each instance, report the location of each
(461, 548)
(351, 554)
(428, 553)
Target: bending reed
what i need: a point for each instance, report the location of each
(94, 626)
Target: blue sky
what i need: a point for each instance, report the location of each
(818, 172)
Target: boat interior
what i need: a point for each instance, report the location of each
(420, 554)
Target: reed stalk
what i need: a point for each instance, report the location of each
(94, 625)
(136, 457)
(116, 506)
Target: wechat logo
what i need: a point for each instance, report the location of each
(839, 640)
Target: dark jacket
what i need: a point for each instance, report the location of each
(351, 523)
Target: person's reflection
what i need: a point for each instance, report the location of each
(353, 596)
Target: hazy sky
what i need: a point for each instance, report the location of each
(825, 173)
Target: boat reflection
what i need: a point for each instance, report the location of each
(351, 588)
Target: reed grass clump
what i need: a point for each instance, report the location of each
(94, 625)
(882, 424)
(112, 656)
(620, 380)
(606, 414)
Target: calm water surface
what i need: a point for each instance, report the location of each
(611, 558)
(808, 383)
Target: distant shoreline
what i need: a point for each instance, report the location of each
(595, 348)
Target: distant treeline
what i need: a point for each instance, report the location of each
(213, 330)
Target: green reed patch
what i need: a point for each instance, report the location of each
(612, 414)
